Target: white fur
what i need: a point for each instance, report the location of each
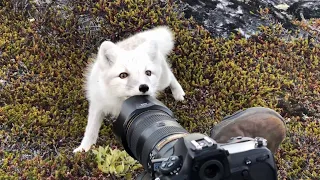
(135, 55)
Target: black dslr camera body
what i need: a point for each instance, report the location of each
(149, 133)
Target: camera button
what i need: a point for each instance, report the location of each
(163, 165)
(262, 158)
(173, 158)
(247, 161)
(166, 160)
(170, 164)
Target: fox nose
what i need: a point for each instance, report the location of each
(143, 88)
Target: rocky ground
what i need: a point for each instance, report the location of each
(44, 48)
(223, 17)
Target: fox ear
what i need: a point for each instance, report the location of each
(151, 48)
(108, 52)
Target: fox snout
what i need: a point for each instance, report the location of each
(143, 88)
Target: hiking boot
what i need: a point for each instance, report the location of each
(252, 122)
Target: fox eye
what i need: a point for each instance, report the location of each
(148, 73)
(123, 75)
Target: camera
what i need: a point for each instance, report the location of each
(151, 134)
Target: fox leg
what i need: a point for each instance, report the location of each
(176, 88)
(95, 118)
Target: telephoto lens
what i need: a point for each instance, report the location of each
(149, 133)
(144, 123)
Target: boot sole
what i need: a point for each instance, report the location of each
(237, 116)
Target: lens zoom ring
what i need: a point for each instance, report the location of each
(147, 119)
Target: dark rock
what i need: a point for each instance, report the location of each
(305, 10)
(222, 17)
(293, 107)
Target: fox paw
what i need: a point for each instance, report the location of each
(178, 94)
(81, 148)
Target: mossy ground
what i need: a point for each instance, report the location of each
(44, 50)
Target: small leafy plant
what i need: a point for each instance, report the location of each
(116, 162)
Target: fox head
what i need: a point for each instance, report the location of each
(130, 72)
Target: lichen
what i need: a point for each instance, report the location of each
(43, 109)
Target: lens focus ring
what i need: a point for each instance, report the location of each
(144, 121)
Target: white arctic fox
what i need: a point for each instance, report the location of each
(134, 66)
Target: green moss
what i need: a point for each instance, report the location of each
(43, 109)
(116, 162)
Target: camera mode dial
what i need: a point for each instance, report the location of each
(170, 166)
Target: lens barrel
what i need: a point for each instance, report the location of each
(143, 122)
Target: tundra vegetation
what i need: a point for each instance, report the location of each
(44, 49)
